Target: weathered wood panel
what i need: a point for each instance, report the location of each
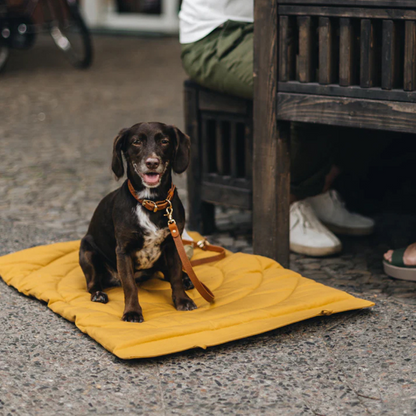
(353, 91)
(358, 13)
(206, 147)
(211, 101)
(287, 48)
(339, 111)
(410, 56)
(284, 49)
(390, 56)
(374, 3)
(242, 183)
(346, 53)
(270, 208)
(326, 58)
(367, 55)
(305, 60)
(220, 148)
(228, 196)
(233, 146)
(248, 151)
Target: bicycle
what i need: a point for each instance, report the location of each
(61, 18)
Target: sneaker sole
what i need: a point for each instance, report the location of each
(337, 229)
(315, 251)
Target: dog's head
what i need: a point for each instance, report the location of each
(151, 150)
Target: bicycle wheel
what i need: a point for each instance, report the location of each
(70, 33)
(4, 54)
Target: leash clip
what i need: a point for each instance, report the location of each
(202, 244)
(169, 212)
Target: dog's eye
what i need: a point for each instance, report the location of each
(164, 141)
(137, 142)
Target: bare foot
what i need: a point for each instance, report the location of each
(409, 257)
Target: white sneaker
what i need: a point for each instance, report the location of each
(330, 209)
(308, 235)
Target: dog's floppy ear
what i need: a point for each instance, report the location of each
(117, 162)
(182, 150)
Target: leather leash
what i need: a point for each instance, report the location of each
(204, 291)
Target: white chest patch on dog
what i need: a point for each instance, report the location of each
(153, 238)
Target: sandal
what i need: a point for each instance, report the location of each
(396, 268)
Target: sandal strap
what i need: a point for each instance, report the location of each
(397, 257)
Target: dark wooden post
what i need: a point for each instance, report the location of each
(271, 174)
(194, 173)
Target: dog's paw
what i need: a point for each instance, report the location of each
(99, 297)
(187, 282)
(133, 317)
(185, 304)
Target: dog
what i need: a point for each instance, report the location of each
(127, 243)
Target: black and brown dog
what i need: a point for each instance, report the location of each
(126, 242)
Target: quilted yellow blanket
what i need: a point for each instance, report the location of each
(253, 295)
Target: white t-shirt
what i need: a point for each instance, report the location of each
(198, 18)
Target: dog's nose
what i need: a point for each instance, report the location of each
(152, 162)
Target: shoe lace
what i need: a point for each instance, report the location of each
(308, 218)
(336, 198)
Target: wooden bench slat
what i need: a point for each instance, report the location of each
(305, 63)
(389, 62)
(219, 145)
(410, 56)
(354, 91)
(372, 3)
(233, 149)
(346, 53)
(367, 70)
(341, 111)
(326, 64)
(205, 146)
(248, 151)
(212, 101)
(284, 49)
(353, 12)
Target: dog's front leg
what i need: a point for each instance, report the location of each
(173, 273)
(132, 310)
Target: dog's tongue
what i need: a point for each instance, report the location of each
(151, 179)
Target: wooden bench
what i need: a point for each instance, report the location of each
(340, 62)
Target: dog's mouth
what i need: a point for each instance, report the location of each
(151, 178)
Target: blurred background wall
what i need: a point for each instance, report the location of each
(159, 16)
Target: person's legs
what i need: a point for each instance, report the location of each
(223, 60)
(311, 151)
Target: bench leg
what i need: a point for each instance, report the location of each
(271, 194)
(193, 174)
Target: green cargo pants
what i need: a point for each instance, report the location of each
(223, 61)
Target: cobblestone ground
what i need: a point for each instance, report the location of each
(56, 132)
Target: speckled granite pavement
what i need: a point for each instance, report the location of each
(56, 131)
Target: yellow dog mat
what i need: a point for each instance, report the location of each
(253, 294)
